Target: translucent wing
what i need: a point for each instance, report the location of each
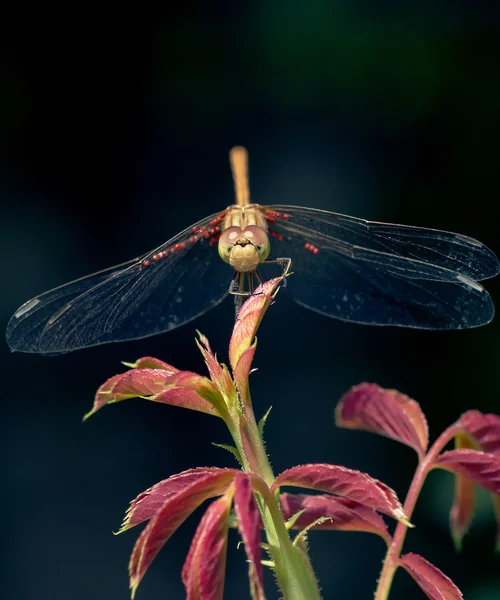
(382, 274)
(162, 290)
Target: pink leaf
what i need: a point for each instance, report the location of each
(242, 372)
(480, 467)
(149, 502)
(103, 395)
(462, 510)
(343, 514)
(348, 483)
(218, 373)
(249, 318)
(169, 517)
(431, 580)
(387, 412)
(137, 382)
(153, 383)
(148, 362)
(184, 398)
(483, 428)
(484, 432)
(200, 393)
(249, 526)
(204, 570)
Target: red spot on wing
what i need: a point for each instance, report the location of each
(214, 240)
(217, 220)
(278, 215)
(311, 247)
(275, 234)
(272, 215)
(211, 234)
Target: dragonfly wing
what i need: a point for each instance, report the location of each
(353, 274)
(452, 251)
(26, 325)
(166, 288)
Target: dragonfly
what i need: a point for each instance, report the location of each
(343, 267)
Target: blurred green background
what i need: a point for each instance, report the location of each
(114, 134)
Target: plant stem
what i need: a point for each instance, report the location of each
(391, 560)
(252, 447)
(293, 571)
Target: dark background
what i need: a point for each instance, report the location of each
(114, 134)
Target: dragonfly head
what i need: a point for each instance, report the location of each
(244, 249)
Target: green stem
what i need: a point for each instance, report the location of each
(391, 561)
(293, 570)
(252, 447)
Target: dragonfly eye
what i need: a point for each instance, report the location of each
(227, 240)
(258, 237)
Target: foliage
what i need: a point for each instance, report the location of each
(251, 498)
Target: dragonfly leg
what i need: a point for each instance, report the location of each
(255, 278)
(251, 287)
(285, 264)
(238, 303)
(236, 287)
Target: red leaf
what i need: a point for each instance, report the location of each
(483, 428)
(348, 483)
(462, 510)
(431, 580)
(149, 502)
(184, 398)
(249, 319)
(343, 514)
(103, 395)
(480, 467)
(249, 526)
(218, 373)
(148, 362)
(204, 569)
(170, 516)
(242, 372)
(484, 432)
(139, 382)
(193, 391)
(387, 412)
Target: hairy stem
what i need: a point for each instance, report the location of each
(294, 573)
(391, 560)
